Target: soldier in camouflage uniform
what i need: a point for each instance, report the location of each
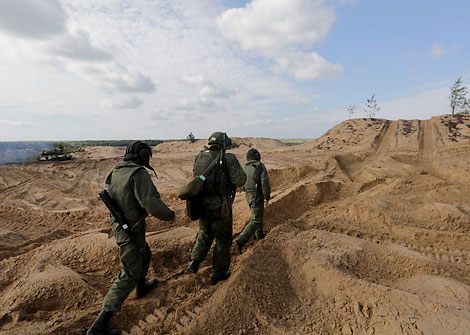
(257, 193)
(212, 224)
(132, 189)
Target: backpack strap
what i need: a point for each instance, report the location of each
(209, 168)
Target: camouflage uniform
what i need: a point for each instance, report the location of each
(211, 224)
(255, 197)
(131, 187)
(132, 190)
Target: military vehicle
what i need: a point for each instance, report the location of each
(55, 155)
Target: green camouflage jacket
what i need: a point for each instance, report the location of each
(264, 190)
(211, 198)
(131, 187)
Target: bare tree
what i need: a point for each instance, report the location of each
(351, 110)
(458, 98)
(371, 108)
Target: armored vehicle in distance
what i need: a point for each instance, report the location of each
(55, 155)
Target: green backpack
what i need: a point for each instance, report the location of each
(193, 187)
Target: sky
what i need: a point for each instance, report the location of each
(160, 69)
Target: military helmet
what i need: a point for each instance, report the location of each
(139, 152)
(218, 138)
(253, 155)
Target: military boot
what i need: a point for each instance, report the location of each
(144, 286)
(193, 266)
(215, 280)
(100, 325)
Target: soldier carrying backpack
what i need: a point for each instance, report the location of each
(216, 199)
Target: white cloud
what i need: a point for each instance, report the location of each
(208, 97)
(194, 81)
(207, 89)
(65, 47)
(258, 122)
(77, 46)
(421, 105)
(266, 25)
(437, 50)
(301, 101)
(32, 18)
(123, 49)
(196, 104)
(123, 103)
(12, 123)
(346, 2)
(114, 77)
(305, 66)
(213, 92)
(161, 115)
(435, 84)
(58, 104)
(280, 31)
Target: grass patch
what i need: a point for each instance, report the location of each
(288, 141)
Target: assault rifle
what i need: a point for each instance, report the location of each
(116, 212)
(225, 212)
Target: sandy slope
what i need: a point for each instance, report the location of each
(368, 234)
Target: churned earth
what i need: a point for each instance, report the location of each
(368, 234)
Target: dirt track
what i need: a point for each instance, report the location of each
(368, 234)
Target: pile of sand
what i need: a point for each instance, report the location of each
(99, 152)
(244, 143)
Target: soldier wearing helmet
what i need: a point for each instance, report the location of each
(132, 189)
(257, 191)
(212, 224)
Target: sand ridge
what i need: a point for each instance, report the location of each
(368, 234)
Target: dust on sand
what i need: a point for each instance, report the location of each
(368, 234)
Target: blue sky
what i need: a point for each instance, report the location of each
(120, 69)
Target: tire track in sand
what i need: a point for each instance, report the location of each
(425, 138)
(384, 138)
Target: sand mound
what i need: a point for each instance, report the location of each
(243, 142)
(368, 234)
(180, 146)
(99, 152)
(261, 144)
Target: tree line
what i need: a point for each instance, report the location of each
(102, 143)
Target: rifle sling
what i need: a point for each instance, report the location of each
(209, 168)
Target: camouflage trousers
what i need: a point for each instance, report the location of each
(134, 259)
(221, 229)
(255, 226)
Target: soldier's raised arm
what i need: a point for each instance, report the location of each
(149, 198)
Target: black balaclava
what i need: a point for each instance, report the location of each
(253, 155)
(140, 153)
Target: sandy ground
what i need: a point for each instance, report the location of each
(368, 234)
